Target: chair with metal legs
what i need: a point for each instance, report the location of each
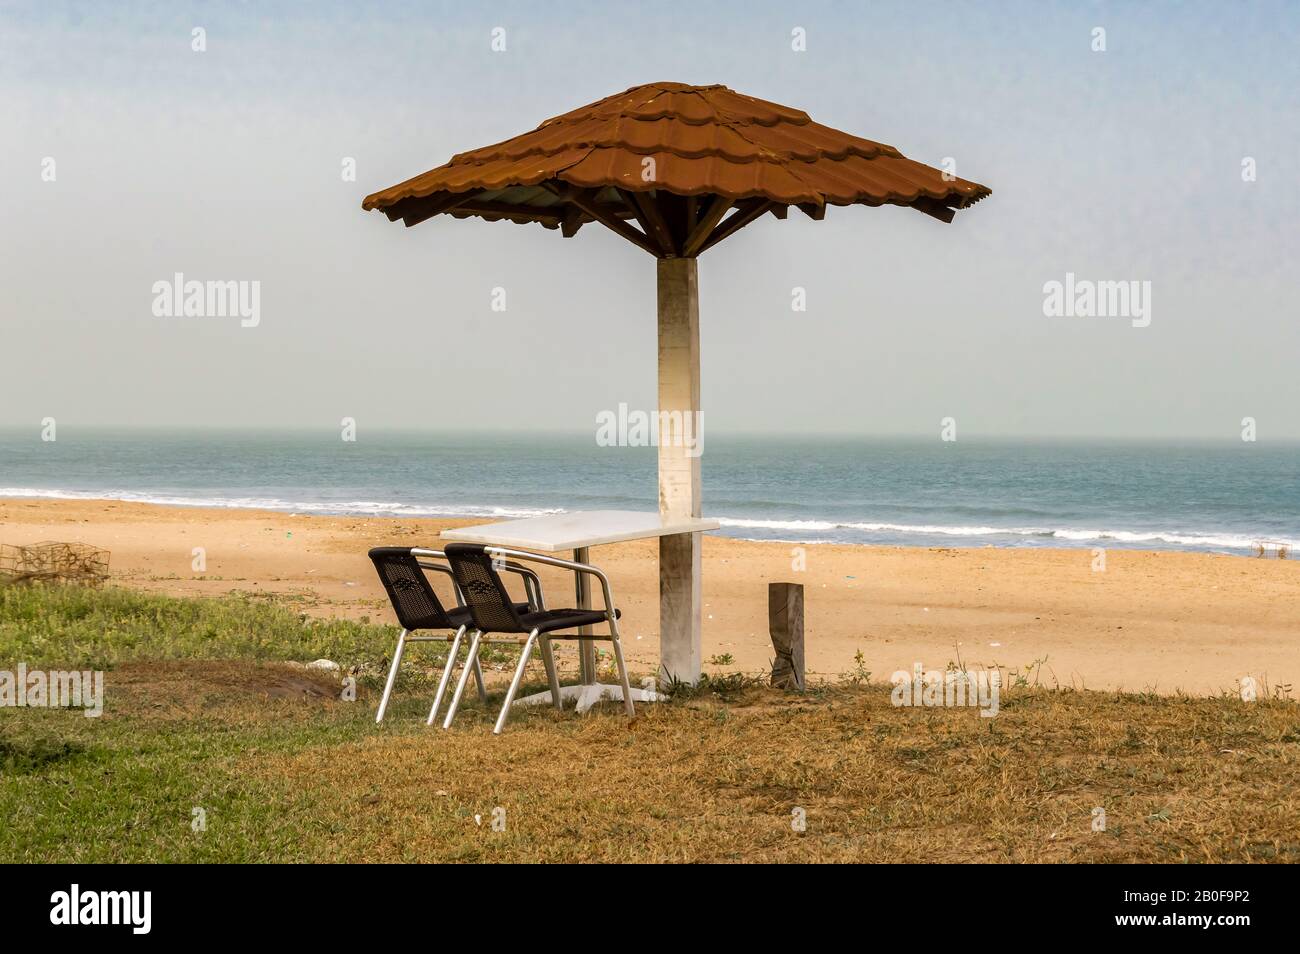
(474, 568)
(418, 609)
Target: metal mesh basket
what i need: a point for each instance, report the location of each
(54, 562)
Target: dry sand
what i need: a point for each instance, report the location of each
(1150, 621)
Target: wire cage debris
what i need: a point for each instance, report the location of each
(54, 562)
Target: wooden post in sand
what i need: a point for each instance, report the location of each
(679, 468)
(785, 624)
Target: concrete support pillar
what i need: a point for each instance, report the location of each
(680, 603)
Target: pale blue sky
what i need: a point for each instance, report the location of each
(226, 165)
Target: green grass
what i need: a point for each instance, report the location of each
(78, 627)
(200, 714)
(124, 788)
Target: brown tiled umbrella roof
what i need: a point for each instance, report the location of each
(714, 151)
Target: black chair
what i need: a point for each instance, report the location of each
(418, 609)
(474, 568)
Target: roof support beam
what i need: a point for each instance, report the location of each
(551, 213)
(585, 199)
(573, 219)
(647, 212)
(745, 213)
(705, 226)
(935, 208)
(415, 211)
(814, 211)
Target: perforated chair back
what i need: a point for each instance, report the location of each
(488, 600)
(414, 601)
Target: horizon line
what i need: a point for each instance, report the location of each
(305, 429)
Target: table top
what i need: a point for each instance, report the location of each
(582, 528)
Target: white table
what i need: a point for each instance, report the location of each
(577, 532)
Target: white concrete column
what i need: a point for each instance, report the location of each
(679, 468)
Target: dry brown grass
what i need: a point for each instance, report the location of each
(713, 780)
(217, 690)
(288, 771)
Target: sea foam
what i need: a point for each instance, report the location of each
(789, 531)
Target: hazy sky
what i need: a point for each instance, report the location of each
(226, 164)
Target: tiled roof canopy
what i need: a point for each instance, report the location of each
(689, 165)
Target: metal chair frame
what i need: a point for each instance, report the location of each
(533, 590)
(548, 657)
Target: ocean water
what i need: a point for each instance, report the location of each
(1196, 496)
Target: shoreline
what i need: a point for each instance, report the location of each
(1163, 621)
(1062, 538)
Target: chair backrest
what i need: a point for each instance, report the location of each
(414, 601)
(489, 602)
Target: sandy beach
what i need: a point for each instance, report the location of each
(1155, 621)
